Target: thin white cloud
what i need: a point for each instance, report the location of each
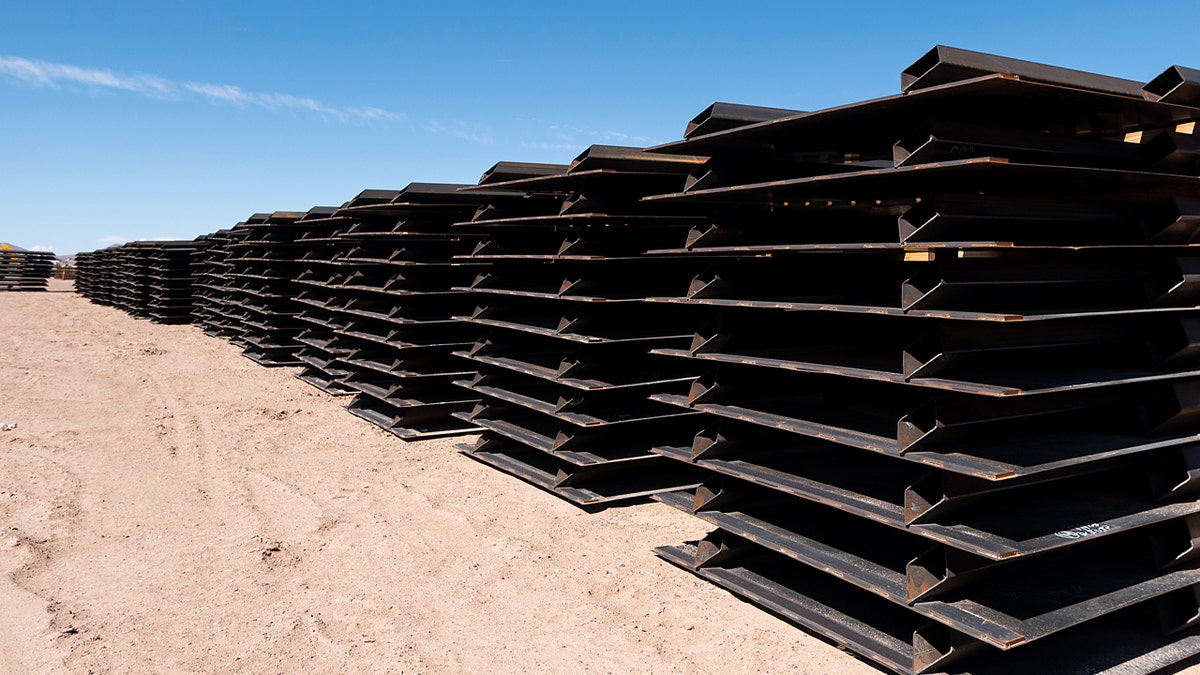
(112, 239)
(474, 138)
(43, 248)
(53, 74)
(538, 145)
(461, 130)
(45, 74)
(623, 138)
(240, 97)
(567, 132)
(225, 92)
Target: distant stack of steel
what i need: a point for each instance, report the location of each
(564, 368)
(320, 350)
(87, 279)
(130, 279)
(171, 281)
(953, 395)
(24, 270)
(259, 289)
(213, 299)
(148, 279)
(379, 307)
(100, 274)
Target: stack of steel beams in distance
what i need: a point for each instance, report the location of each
(147, 279)
(211, 311)
(172, 286)
(130, 279)
(90, 278)
(564, 365)
(950, 402)
(23, 270)
(318, 257)
(260, 288)
(377, 298)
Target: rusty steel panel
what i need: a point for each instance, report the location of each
(948, 367)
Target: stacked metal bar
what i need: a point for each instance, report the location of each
(97, 276)
(564, 365)
(260, 288)
(213, 297)
(171, 281)
(131, 279)
(380, 305)
(952, 398)
(318, 256)
(91, 279)
(147, 279)
(24, 270)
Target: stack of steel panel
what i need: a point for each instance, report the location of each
(171, 281)
(213, 299)
(564, 367)
(318, 258)
(103, 276)
(952, 399)
(147, 279)
(100, 275)
(24, 270)
(384, 305)
(90, 277)
(131, 279)
(261, 289)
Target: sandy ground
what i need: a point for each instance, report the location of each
(166, 505)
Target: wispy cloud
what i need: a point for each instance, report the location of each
(112, 239)
(623, 138)
(52, 74)
(566, 131)
(45, 74)
(539, 145)
(240, 97)
(461, 130)
(43, 248)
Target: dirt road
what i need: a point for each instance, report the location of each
(167, 505)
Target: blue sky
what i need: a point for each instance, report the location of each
(131, 120)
